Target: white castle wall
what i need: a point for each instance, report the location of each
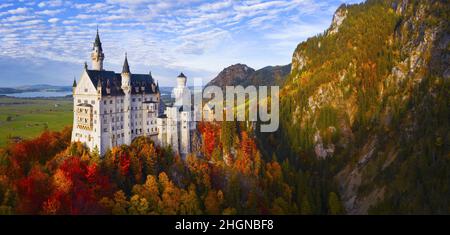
(102, 122)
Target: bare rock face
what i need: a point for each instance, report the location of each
(298, 61)
(338, 17)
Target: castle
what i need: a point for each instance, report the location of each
(112, 109)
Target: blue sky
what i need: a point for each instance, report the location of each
(48, 41)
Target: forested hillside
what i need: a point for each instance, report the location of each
(225, 174)
(369, 98)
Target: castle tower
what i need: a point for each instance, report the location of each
(185, 134)
(181, 93)
(74, 85)
(97, 55)
(126, 87)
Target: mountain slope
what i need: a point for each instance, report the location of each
(241, 74)
(370, 96)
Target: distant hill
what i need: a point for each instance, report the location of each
(33, 88)
(241, 74)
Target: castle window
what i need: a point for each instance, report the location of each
(85, 90)
(92, 101)
(110, 111)
(139, 99)
(110, 101)
(79, 101)
(85, 101)
(105, 112)
(131, 131)
(121, 101)
(95, 112)
(133, 100)
(104, 102)
(112, 128)
(105, 130)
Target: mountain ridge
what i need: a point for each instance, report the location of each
(241, 74)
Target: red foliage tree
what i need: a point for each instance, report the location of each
(32, 191)
(124, 164)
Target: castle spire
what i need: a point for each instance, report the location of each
(126, 67)
(97, 42)
(74, 82)
(97, 55)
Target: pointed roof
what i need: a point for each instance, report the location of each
(74, 82)
(126, 67)
(181, 75)
(97, 42)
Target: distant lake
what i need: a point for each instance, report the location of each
(36, 94)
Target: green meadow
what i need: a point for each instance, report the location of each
(24, 118)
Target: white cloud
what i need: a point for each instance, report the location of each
(17, 18)
(5, 5)
(53, 3)
(53, 20)
(69, 21)
(49, 12)
(85, 16)
(215, 6)
(114, 17)
(18, 11)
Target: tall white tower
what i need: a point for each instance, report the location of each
(126, 87)
(97, 55)
(181, 93)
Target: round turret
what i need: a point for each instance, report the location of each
(181, 80)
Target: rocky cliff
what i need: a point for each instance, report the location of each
(371, 97)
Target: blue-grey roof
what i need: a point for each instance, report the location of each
(111, 82)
